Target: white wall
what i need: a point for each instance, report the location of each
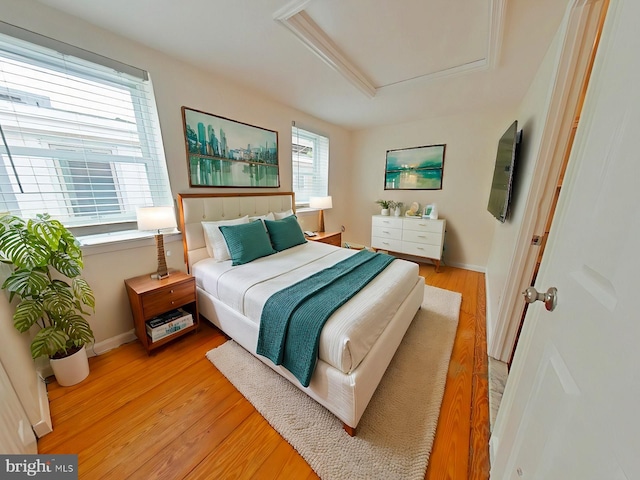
(471, 143)
(531, 118)
(175, 84)
(16, 358)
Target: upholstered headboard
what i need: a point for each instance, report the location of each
(197, 207)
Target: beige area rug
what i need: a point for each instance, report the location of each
(396, 432)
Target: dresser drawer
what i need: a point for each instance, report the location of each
(172, 296)
(424, 225)
(416, 236)
(386, 244)
(386, 232)
(422, 250)
(386, 221)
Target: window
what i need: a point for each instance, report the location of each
(79, 134)
(310, 164)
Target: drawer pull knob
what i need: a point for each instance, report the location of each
(172, 302)
(170, 291)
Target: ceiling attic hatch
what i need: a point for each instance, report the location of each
(398, 43)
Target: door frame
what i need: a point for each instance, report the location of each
(579, 30)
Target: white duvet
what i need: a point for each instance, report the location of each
(350, 331)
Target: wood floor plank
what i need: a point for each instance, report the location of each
(450, 454)
(173, 415)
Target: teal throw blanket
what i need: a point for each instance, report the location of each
(293, 317)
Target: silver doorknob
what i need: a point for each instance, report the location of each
(550, 298)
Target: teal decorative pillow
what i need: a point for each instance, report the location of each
(247, 242)
(285, 233)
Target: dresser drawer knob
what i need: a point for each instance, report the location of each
(170, 291)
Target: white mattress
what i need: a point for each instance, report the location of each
(350, 331)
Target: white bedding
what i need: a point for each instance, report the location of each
(350, 331)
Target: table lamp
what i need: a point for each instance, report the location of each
(156, 219)
(321, 203)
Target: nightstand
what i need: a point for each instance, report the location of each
(150, 297)
(332, 238)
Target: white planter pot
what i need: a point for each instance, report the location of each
(385, 211)
(72, 369)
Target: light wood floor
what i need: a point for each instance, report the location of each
(173, 415)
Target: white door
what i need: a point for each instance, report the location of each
(16, 435)
(571, 405)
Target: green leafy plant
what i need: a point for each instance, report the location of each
(384, 203)
(36, 249)
(393, 204)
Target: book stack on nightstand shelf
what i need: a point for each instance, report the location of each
(168, 323)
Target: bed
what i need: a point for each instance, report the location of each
(357, 342)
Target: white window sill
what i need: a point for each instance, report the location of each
(115, 241)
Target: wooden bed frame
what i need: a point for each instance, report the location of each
(344, 395)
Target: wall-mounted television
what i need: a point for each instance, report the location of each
(502, 184)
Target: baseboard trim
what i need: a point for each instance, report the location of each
(111, 343)
(44, 425)
(467, 266)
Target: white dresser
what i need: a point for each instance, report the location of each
(414, 236)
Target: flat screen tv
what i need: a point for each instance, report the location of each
(502, 184)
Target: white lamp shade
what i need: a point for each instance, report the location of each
(156, 218)
(322, 203)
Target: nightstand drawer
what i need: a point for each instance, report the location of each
(167, 298)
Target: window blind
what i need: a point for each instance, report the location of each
(79, 140)
(310, 165)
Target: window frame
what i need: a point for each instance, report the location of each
(147, 151)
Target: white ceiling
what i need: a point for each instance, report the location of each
(419, 58)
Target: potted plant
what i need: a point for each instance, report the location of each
(46, 263)
(385, 206)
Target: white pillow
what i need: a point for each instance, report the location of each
(268, 216)
(281, 215)
(214, 240)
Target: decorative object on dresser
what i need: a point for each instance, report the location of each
(415, 168)
(151, 299)
(156, 219)
(385, 204)
(331, 238)
(226, 153)
(430, 211)
(396, 207)
(321, 203)
(414, 210)
(412, 236)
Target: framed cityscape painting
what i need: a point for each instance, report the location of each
(226, 153)
(416, 168)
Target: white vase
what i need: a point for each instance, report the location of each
(385, 211)
(397, 212)
(72, 369)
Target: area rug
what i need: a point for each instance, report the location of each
(396, 432)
